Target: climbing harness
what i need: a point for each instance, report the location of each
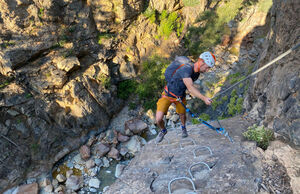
(260, 69)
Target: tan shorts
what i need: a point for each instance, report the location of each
(164, 103)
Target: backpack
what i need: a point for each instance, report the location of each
(174, 66)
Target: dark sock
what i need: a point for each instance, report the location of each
(164, 130)
(183, 127)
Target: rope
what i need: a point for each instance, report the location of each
(260, 69)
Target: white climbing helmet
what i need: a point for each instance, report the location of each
(208, 58)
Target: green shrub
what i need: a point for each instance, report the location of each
(224, 99)
(41, 12)
(195, 121)
(152, 80)
(150, 14)
(2, 85)
(132, 106)
(259, 134)
(127, 87)
(234, 93)
(104, 79)
(214, 104)
(168, 23)
(231, 106)
(204, 116)
(239, 105)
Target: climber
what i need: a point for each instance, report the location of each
(180, 75)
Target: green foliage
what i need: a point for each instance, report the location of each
(168, 22)
(41, 12)
(104, 36)
(265, 5)
(190, 3)
(241, 85)
(236, 77)
(222, 117)
(5, 83)
(132, 106)
(259, 134)
(250, 69)
(231, 106)
(28, 95)
(228, 10)
(213, 25)
(125, 88)
(104, 79)
(224, 99)
(149, 84)
(234, 93)
(239, 105)
(6, 44)
(150, 14)
(218, 102)
(195, 121)
(152, 80)
(179, 27)
(214, 104)
(204, 116)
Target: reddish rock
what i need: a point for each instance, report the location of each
(122, 138)
(28, 189)
(114, 153)
(225, 40)
(136, 126)
(101, 149)
(85, 152)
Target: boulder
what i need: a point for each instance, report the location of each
(85, 152)
(122, 138)
(136, 126)
(94, 182)
(101, 149)
(74, 182)
(119, 170)
(135, 144)
(113, 153)
(30, 188)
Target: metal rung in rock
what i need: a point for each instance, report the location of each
(190, 172)
(180, 178)
(186, 139)
(201, 147)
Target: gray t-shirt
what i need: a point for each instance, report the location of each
(175, 83)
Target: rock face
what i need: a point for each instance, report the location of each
(274, 96)
(234, 167)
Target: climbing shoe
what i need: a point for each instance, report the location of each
(184, 133)
(161, 135)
